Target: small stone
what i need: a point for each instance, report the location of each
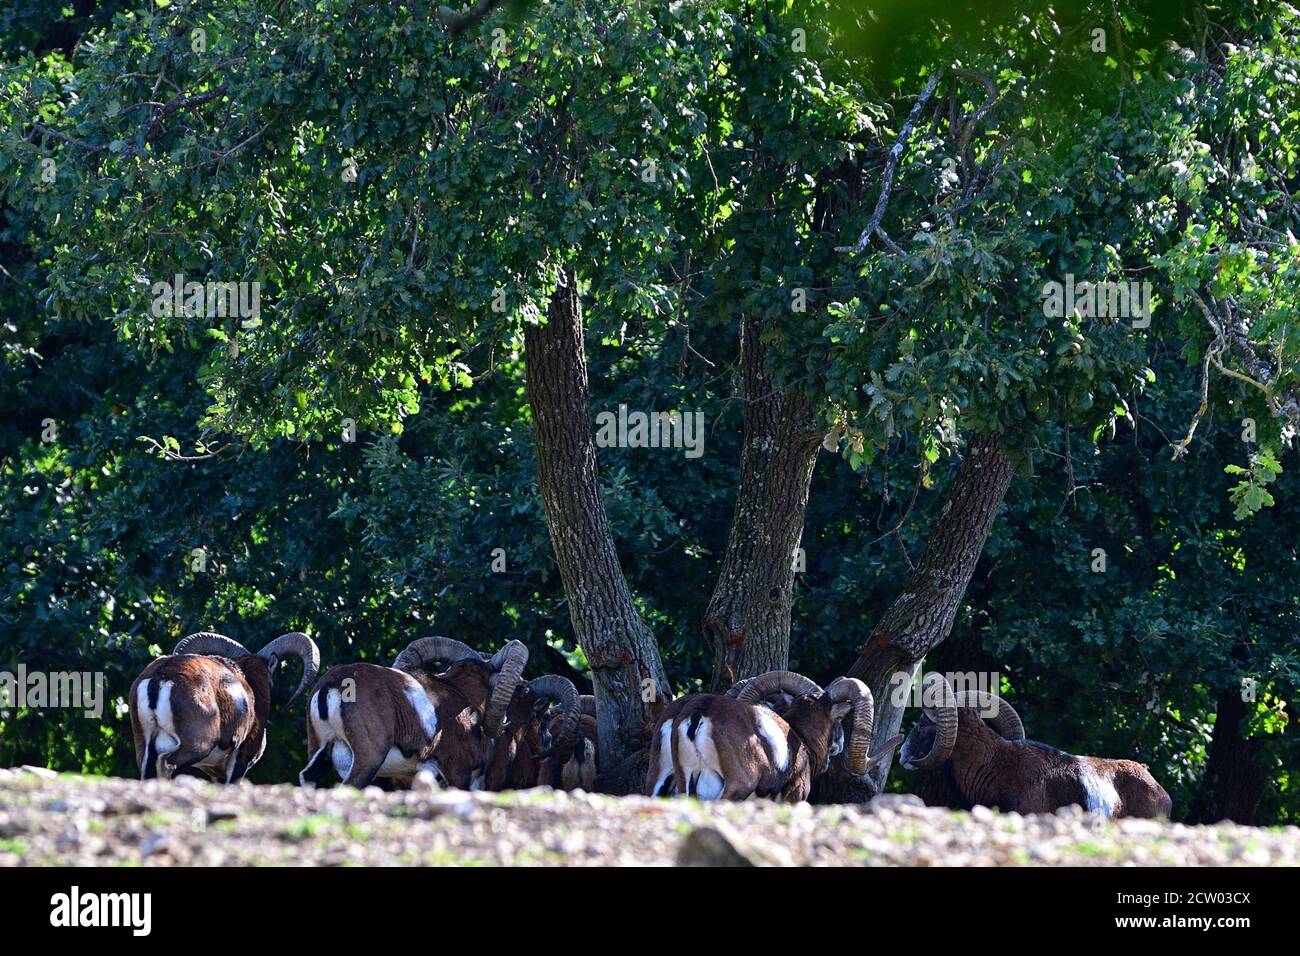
(160, 844)
(720, 845)
(424, 782)
(221, 811)
(890, 801)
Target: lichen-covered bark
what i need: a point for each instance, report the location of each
(619, 646)
(748, 618)
(922, 616)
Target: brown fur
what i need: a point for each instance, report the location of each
(1029, 777)
(381, 717)
(745, 764)
(579, 771)
(519, 757)
(517, 753)
(205, 713)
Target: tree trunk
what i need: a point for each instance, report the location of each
(625, 665)
(748, 619)
(1235, 777)
(921, 617)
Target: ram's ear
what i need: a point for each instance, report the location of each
(840, 710)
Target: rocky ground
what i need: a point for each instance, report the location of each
(48, 818)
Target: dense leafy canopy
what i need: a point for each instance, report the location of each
(406, 199)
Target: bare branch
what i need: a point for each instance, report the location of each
(891, 167)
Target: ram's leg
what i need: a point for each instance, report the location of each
(661, 776)
(243, 759)
(149, 759)
(318, 767)
(364, 768)
(737, 789)
(184, 757)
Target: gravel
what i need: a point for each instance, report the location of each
(64, 819)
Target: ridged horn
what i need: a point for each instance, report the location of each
(587, 704)
(735, 690)
(427, 650)
(215, 645)
(299, 645)
(997, 713)
(763, 686)
(944, 715)
(509, 664)
(855, 692)
(562, 691)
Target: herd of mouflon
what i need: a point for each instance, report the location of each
(466, 720)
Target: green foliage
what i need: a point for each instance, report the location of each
(406, 200)
(1250, 494)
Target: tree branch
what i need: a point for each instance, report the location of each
(891, 167)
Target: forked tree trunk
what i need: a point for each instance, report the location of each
(625, 664)
(748, 619)
(921, 617)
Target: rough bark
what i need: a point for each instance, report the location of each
(921, 617)
(619, 646)
(1235, 776)
(748, 618)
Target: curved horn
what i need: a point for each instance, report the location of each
(509, 664)
(587, 704)
(206, 642)
(735, 690)
(997, 713)
(299, 645)
(864, 717)
(562, 691)
(944, 716)
(775, 682)
(429, 649)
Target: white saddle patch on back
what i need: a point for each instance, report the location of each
(778, 745)
(423, 706)
(1099, 792)
(238, 696)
